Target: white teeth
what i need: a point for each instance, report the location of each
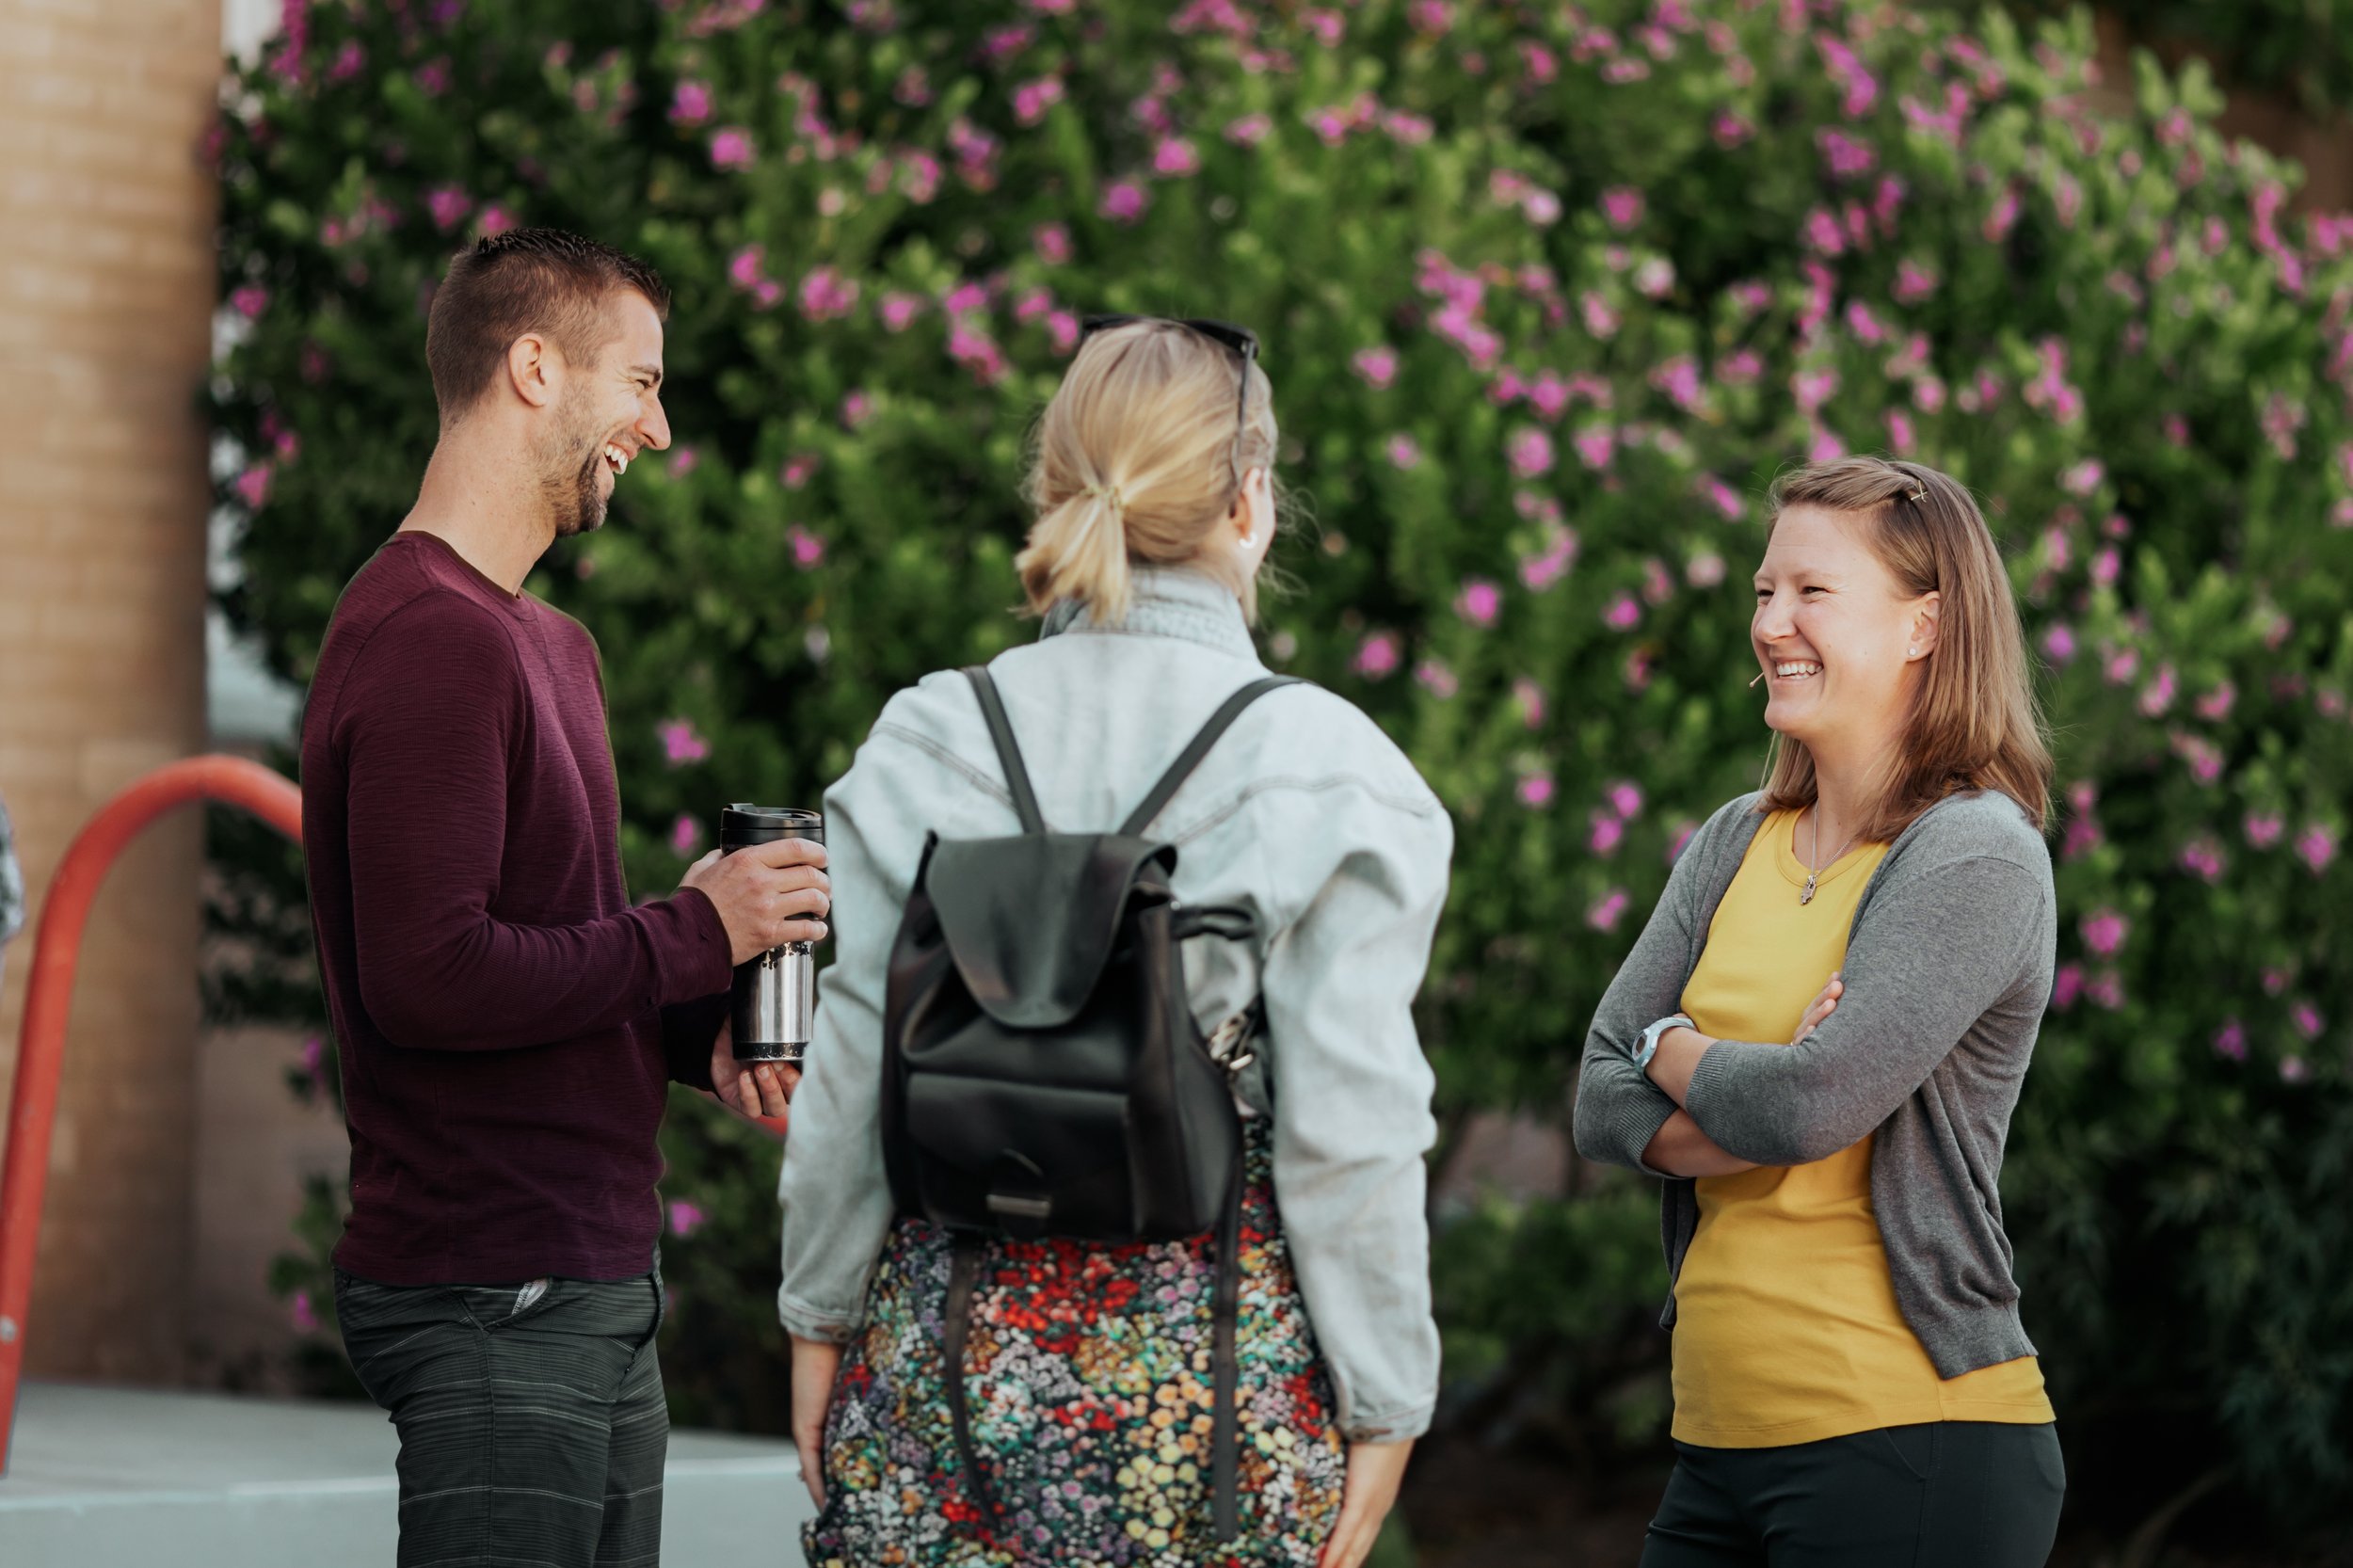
(616, 459)
(1797, 670)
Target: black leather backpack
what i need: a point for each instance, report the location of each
(1042, 1072)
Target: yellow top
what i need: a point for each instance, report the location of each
(1786, 1327)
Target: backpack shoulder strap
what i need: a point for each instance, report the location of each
(1008, 751)
(1191, 756)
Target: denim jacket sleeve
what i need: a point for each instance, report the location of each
(836, 1200)
(1353, 1125)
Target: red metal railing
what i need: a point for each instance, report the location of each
(41, 1050)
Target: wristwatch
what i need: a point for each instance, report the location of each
(1647, 1047)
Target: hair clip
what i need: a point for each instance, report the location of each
(1919, 495)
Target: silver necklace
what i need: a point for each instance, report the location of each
(1814, 871)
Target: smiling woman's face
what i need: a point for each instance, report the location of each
(1839, 638)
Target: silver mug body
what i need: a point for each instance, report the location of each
(773, 1008)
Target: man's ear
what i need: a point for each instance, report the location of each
(533, 369)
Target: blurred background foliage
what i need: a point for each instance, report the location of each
(1548, 295)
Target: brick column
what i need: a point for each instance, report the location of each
(106, 282)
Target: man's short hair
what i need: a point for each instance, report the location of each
(524, 281)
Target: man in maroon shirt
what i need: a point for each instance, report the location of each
(507, 1022)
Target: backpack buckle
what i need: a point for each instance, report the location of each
(1229, 1044)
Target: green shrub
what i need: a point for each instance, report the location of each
(1547, 297)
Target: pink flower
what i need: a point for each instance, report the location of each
(1378, 656)
(686, 836)
(2108, 989)
(685, 1217)
(731, 148)
(495, 220)
(2230, 1042)
(1250, 130)
(1596, 444)
(2103, 932)
(683, 461)
(918, 177)
(1913, 282)
(1125, 201)
(2202, 859)
(1403, 451)
(1548, 565)
(2263, 830)
(448, 205)
(2294, 1070)
(1031, 99)
(252, 486)
(2216, 705)
(827, 295)
(1529, 698)
(977, 353)
(2059, 644)
(2067, 985)
(1846, 156)
(2005, 213)
(433, 78)
(1899, 432)
(1608, 910)
(1722, 497)
(2307, 1019)
(1703, 570)
(305, 1316)
(1606, 834)
(898, 310)
(2316, 846)
(1377, 366)
(250, 300)
(1479, 603)
(689, 104)
(1175, 158)
(1623, 206)
(1061, 330)
(681, 743)
(1622, 613)
(1436, 679)
(1625, 799)
(797, 471)
(1052, 242)
(1529, 451)
(807, 549)
(1679, 378)
(1535, 791)
(743, 267)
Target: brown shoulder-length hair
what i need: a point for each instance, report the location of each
(1974, 722)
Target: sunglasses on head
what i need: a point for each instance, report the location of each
(1240, 340)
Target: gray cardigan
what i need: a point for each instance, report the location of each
(1947, 972)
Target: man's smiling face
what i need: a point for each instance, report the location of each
(609, 411)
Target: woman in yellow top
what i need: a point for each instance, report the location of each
(1818, 1040)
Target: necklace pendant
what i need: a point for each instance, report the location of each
(1806, 896)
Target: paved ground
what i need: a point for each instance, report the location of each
(117, 1477)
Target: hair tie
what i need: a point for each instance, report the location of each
(1119, 503)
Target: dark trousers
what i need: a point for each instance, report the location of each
(532, 1422)
(1946, 1494)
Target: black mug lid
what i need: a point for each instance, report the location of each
(745, 824)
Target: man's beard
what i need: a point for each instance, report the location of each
(568, 480)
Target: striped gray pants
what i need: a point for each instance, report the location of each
(532, 1422)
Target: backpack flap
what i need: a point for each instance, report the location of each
(1030, 921)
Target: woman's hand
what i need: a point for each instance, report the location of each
(1375, 1470)
(1821, 1007)
(814, 1363)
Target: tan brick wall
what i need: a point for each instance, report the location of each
(106, 299)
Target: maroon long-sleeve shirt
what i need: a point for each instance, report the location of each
(497, 1004)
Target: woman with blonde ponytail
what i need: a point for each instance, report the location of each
(1086, 1371)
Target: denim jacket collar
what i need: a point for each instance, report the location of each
(1167, 601)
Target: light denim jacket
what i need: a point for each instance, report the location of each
(1306, 813)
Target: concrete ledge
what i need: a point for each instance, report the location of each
(120, 1478)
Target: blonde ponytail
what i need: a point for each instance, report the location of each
(1137, 461)
(1079, 551)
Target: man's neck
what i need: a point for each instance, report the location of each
(491, 514)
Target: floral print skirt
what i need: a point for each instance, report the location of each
(1088, 1386)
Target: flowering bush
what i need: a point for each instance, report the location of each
(1548, 295)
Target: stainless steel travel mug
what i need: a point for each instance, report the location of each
(776, 993)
